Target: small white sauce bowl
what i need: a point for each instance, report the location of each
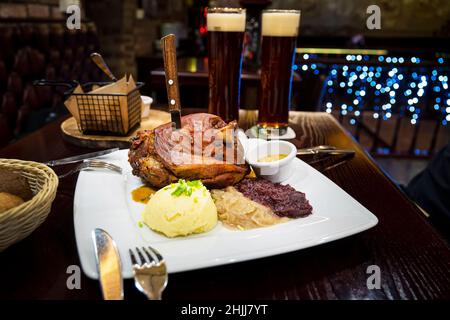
(275, 171)
(146, 104)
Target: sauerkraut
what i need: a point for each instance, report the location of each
(239, 212)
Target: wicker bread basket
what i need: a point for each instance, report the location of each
(18, 222)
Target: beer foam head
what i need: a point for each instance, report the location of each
(231, 21)
(280, 23)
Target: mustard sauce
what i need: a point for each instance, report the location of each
(251, 174)
(142, 194)
(273, 157)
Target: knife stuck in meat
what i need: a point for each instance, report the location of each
(170, 68)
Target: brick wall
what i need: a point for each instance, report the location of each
(45, 9)
(398, 17)
(115, 20)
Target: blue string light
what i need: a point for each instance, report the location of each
(390, 87)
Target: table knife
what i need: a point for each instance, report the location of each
(170, 68)
(331, 152)
(109, 266)
(78, 158)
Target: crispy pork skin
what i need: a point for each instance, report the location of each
(203, 149)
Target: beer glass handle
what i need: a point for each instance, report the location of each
(170, 69)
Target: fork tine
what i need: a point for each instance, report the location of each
(104, 165)
(156, 253)
(150, 257)
(133, 258)
(149, 277)
(101, 163)
(108, 165)
(115, 168)
(98, 163)
(141, 256)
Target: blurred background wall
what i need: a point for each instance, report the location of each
(131, 28)
(35, 43)
(344, 17)
(412, 18)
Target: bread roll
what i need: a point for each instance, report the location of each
(9, 201)
(14, 183)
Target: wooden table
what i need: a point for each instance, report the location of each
(413, 259)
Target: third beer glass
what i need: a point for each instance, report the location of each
(279, 39)
(226, 28)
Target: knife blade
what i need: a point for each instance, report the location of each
(170, 69)
(332, 152)
(78, 158)
(109, 266)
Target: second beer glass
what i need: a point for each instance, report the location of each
(279, 39)
(226, 28)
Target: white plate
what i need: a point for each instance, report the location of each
(103, 200)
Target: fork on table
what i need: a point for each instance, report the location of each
(150, 272)
(92, 164)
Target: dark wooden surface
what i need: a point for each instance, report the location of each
(413, 259)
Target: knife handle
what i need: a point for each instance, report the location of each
(170, 68)
(100, 62)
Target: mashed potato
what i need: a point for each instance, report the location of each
(181, 209)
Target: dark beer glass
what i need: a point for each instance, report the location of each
(226, 28)
(279, 39)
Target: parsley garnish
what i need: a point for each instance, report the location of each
(186, 187)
